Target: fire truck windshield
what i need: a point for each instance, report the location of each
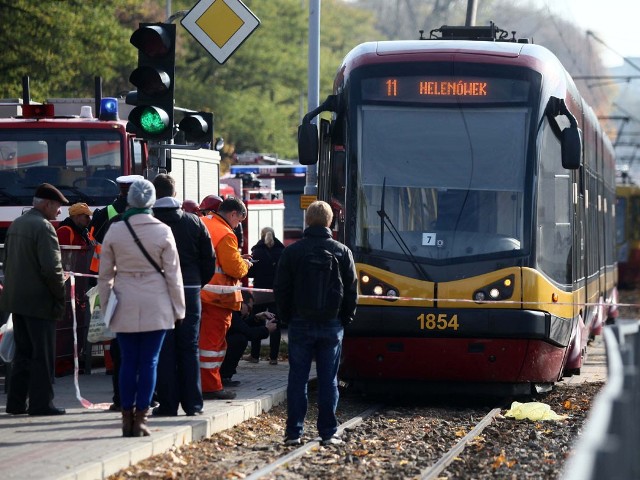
(82, 163)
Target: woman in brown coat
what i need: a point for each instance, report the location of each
(150, 299)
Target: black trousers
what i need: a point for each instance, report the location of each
(236, 345)
(274, 337)
(115, 379)
(32, 369)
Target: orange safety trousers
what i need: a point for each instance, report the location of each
(214, 323)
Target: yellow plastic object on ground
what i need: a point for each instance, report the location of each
(533, 411)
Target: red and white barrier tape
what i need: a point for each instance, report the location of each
(76, 367)
(230, 289)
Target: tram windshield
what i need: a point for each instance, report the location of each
(83, 164)
(449, 180)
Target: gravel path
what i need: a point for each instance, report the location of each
(398, 442)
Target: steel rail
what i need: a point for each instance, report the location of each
(299, 452)
(434, 470)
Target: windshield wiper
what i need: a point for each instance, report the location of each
(386, 221)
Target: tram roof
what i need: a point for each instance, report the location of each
(408, 47)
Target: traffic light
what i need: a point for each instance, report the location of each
(197, 127)
(154, 78)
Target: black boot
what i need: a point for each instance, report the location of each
(140, 428)
(127, 423)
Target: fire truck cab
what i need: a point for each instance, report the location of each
(61, 142)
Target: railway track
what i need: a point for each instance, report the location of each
(411, 439)
(359, 421)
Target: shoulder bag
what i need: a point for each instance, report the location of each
(144, 250)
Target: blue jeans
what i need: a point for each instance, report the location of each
(179, 365)
(322, 340)
(139, 354)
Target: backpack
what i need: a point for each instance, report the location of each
(318, 275)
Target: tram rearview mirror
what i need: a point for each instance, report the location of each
(307, 143)
(571, 147)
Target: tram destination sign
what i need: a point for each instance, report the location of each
(220, 26)
(445, 89)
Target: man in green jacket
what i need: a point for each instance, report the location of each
(34, 294)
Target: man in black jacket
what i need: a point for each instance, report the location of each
(179, 365)
(314, 330)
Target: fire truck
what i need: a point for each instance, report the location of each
(61, 142)
(287, 178)
(265, 206)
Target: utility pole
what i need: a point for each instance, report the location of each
(313, 85)
(472, 8)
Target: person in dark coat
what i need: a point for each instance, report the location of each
(34, 294)
(246, 326)
(265, 255)
(309, 337)
(179, 367)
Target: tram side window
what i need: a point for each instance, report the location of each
(553, 213)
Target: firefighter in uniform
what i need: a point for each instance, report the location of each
(217, 308)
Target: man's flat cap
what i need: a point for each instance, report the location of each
(49, 192)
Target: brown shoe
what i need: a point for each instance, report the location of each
(250, 359)
(127, 423)
(140, 428)
(219, 395)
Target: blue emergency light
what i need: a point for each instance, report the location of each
(109, 109)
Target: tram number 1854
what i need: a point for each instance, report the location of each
(441, 321)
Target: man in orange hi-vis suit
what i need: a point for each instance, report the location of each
(218, 307)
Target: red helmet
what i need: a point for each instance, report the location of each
(210, 202)
(190, 206)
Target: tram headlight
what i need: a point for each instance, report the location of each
(500, 290)
(370, 285)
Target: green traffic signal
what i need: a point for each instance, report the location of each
(150, 122)
(154, 121)
(154, 77)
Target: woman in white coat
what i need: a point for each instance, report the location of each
(150, 299)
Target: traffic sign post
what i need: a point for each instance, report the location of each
(220, 26)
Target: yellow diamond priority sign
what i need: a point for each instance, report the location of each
(220, 26)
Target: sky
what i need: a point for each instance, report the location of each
(615, 22)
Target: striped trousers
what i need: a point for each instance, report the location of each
(214, 324)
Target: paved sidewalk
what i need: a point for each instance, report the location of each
(88, 444)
